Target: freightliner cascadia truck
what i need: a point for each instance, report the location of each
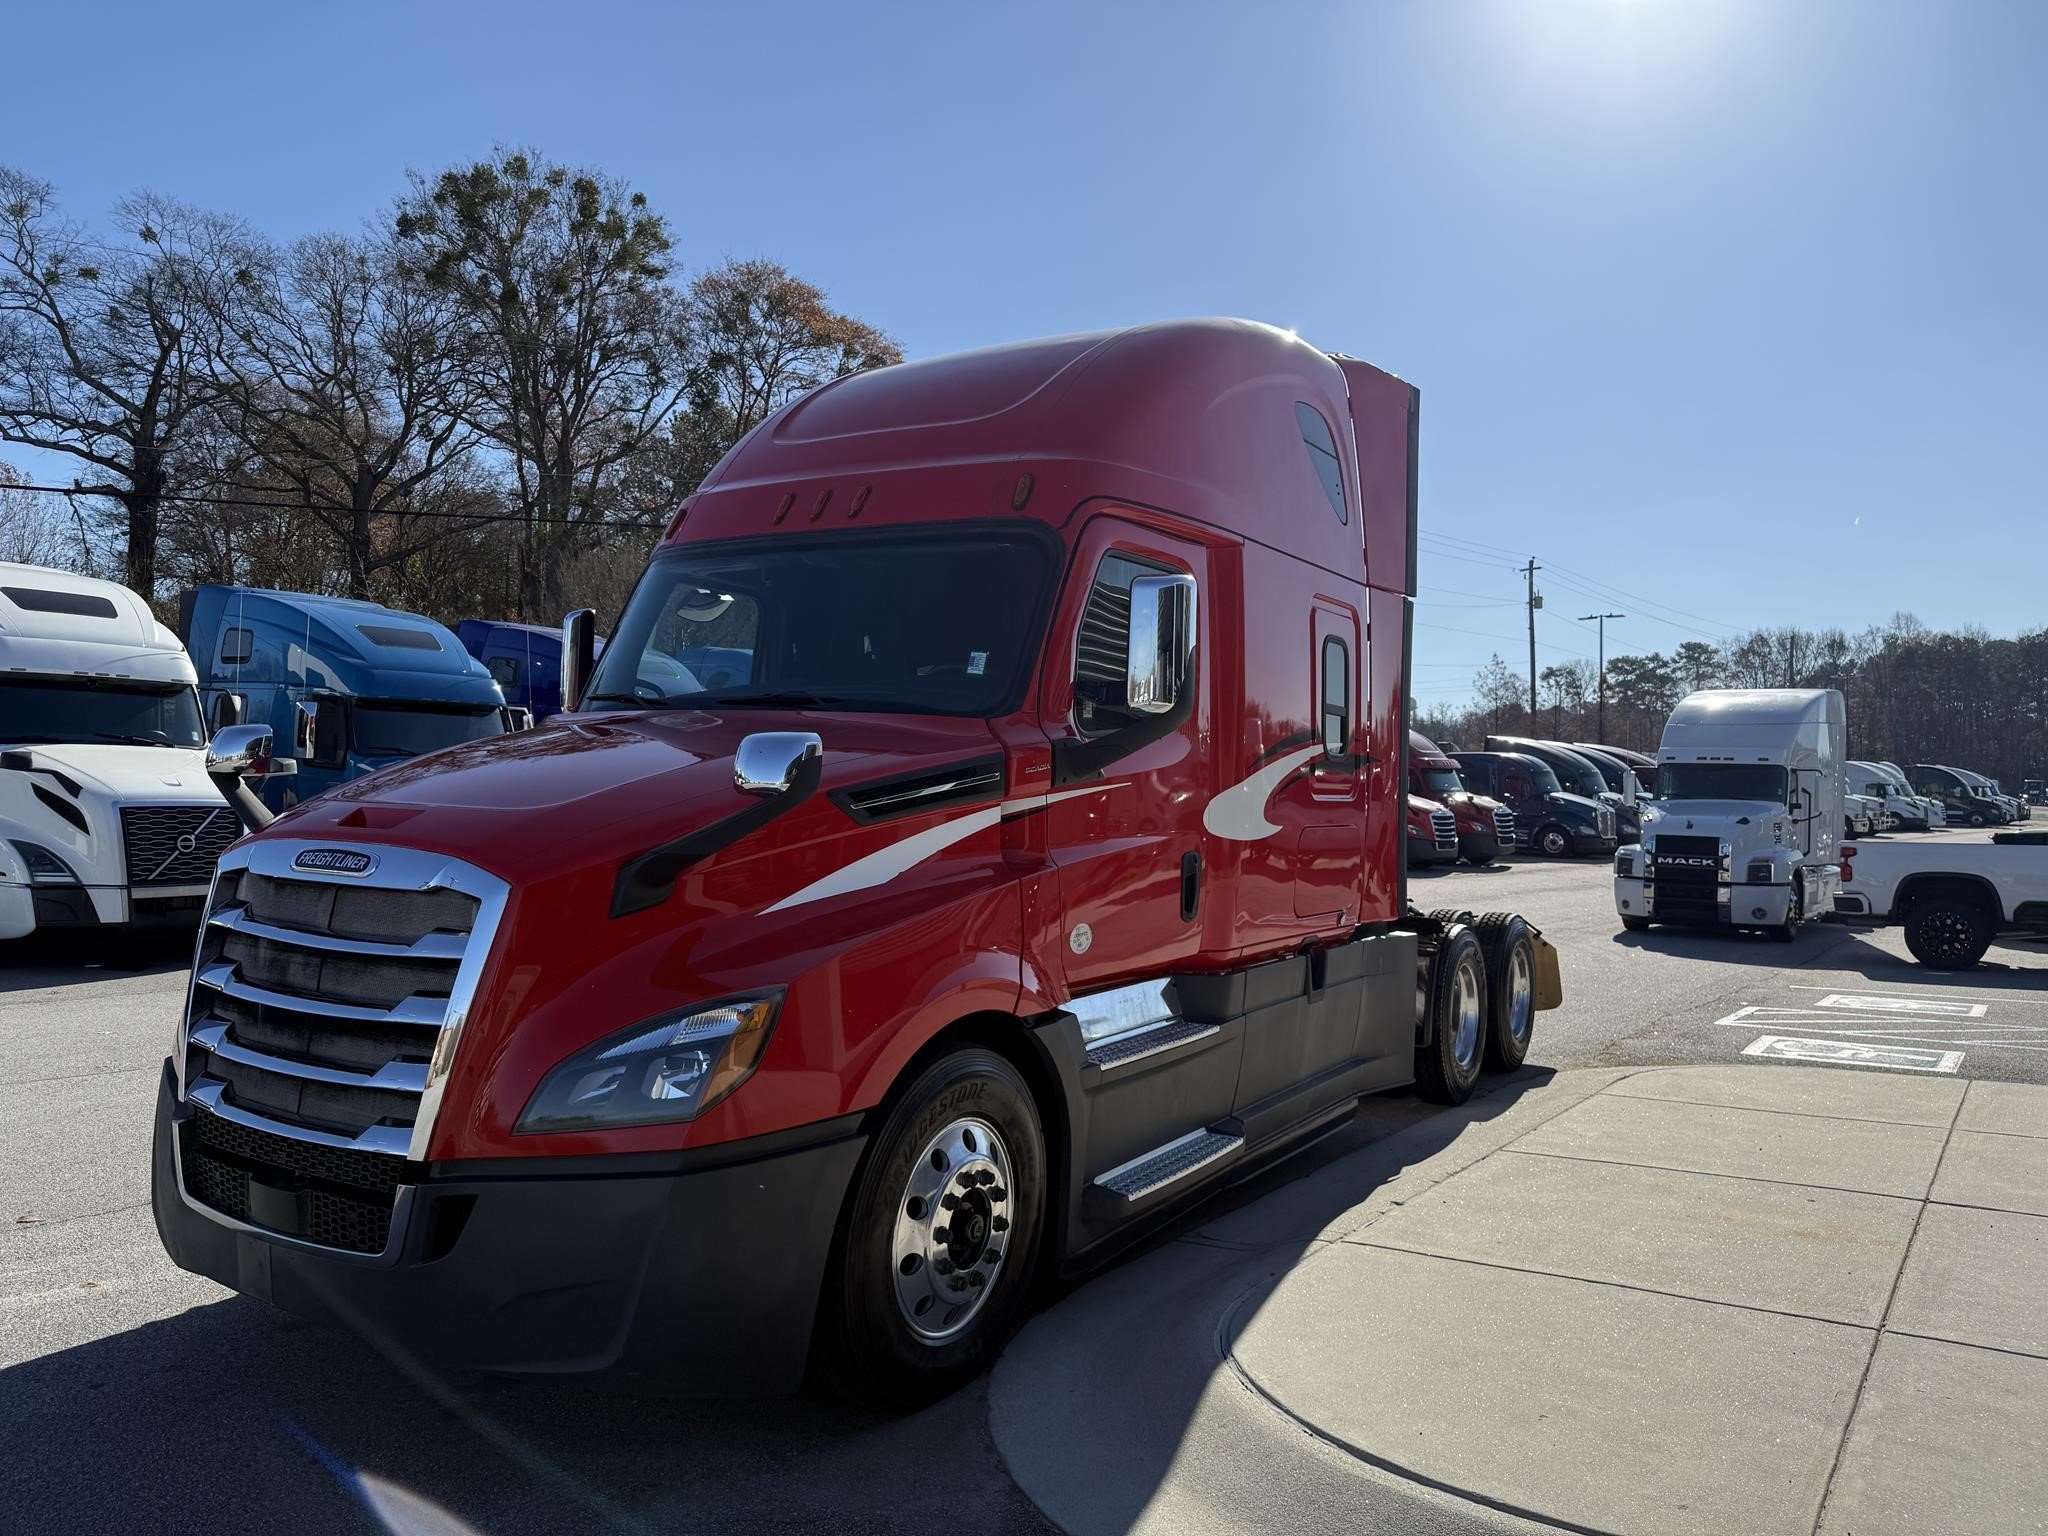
(1033, 868)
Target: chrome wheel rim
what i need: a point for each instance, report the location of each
(951, 1237)
(1521, 994)
(1553, 843)
(1465, 1008)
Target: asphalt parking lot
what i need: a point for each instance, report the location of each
(134, 1397)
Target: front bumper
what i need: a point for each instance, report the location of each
(1479, 847)
(697, 1270)
(1425, 851)
(1747, 906)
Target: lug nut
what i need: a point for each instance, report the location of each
(992, 1257)
(942, 1266)
(977, 1280)
(949, 1203)
(968, 1179)
(985, 1176)
(999, 1193)
(998, 1224)
(941, 1235)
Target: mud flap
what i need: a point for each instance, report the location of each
(1549, 981)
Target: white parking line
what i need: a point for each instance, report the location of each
(1897, 1058)
(1860, 1003)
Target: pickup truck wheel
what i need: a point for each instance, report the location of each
(1447, 1068)
(933, 1262)
(1554, 841)
(1510, 950)
(1948, 933)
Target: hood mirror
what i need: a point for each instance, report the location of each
(769, 762)
(579, 654)
(243, 752)
(1162, 643)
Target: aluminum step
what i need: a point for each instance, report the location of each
(1125, 1050)
(1164, 1166)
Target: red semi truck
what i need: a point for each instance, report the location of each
(1483, 828)
(1033, 868)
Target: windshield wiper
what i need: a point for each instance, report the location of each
(788, 698)
(617, 698)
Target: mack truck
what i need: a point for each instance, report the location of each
(1747, 819)
(1035, 870)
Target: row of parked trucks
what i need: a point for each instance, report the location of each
(106, 812)
(1518, 794)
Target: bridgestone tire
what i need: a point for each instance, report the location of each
(1510, 949)
(1447, 1068)
(1948, 933)
(868, 1350)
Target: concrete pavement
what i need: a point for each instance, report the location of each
(1752, 1298)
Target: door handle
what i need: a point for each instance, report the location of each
(1190, 886)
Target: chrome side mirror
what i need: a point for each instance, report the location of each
(518, 718)
(579, 654)
(768, 762)
(243, 752)
(1162, 644)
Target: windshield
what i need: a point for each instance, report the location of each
(1580, 777)
(386, 728)
(1721, 781)
(939, 625)
(1436, 783)
(79, 710)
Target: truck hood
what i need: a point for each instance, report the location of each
(1584, 803)
(129, 773)
(1704, 816)
(587, 789)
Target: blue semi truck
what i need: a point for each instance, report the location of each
(347, 687)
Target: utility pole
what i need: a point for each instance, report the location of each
(1587, 618)
(1535, 602)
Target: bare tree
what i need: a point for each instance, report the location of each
(347, 385)
(571, 335)
(759, 337)
(105, 345)
(32, 532)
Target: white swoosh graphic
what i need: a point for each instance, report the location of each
(886, 863)
(1239, 812)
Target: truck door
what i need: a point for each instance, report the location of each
(1330, 847)
(1128, 842)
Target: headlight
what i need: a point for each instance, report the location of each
(44, 867)
(1761, 872)
(671, 1067)
(1625, 860)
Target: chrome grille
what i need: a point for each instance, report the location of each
(1504, 825)
(1446, 827)
(1606, 821)
(175, 844)
(324, 1014)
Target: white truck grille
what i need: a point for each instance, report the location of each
(1445, 826)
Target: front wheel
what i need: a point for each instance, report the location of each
(1636, 924)
(1795, 914)
(933, 1263)
(1976, 819)
(1555, 842)
(1447, 1068)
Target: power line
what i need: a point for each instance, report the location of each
(301, 506)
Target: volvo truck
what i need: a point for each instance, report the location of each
(1036, 870)
(107, 816)
(1747, 820)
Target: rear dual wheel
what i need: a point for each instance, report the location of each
(1447, 1068)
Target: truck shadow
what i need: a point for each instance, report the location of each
(232, 1417)
(1828, 947)
(65, 957)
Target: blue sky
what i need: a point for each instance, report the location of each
(1737, 308)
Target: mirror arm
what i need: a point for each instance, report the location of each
(250, 810)
(1076, 760)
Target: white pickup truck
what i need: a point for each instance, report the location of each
(1952, 899)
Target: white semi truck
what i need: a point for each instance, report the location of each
(1747, 823)
(107, 816)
